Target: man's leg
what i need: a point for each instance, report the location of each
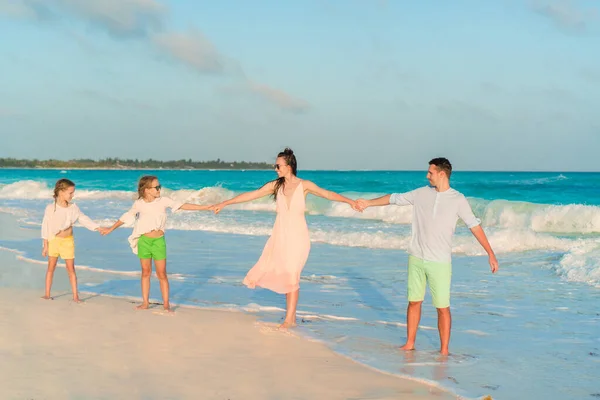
(416, 294)
(413, 317)
(444, 326)
(439, 276)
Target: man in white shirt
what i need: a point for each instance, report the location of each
(436, 209)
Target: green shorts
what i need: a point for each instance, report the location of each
(155, 248)
(438, 274)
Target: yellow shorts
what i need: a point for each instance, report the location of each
(62, 247)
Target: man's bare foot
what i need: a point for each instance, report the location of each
(408, 347)
(47, 298)
(143, 306)
(287, 325)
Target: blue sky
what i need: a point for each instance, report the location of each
(349, 84)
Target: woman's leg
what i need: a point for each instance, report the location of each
(290, 315)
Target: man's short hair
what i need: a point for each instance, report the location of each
(442, 164)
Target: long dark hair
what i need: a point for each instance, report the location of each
(290, 159)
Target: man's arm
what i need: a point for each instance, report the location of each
(399, 199)
(482, 239)
(379, 201)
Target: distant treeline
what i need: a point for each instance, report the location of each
(132, 164)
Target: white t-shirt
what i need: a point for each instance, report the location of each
(57, 219)
(147, 217)
(434, 220)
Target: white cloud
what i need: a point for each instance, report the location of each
(119, 18)
(146, 19)
(566, 15)
(279, 97)
(192, 49)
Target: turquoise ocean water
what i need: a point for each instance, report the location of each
(530, 331)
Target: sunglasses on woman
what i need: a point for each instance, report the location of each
(157, 187)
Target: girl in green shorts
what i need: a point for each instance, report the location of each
(149, 213)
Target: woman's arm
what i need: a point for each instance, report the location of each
(266, 190)
(328, 194)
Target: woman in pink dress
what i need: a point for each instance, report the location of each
(286, 251)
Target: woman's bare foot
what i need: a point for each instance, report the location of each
(287, 325)
(408, 347)
(47, 298)
(77, 300)
(168, 309)
(143, 306)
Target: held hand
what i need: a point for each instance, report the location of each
(216, 208)
(104, 231)
(45, 252)
(355, 206)
(361, 204)
(493, 263)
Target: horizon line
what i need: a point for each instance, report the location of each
(308, 170)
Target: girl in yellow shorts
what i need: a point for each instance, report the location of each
(149, 213)
(57, 233)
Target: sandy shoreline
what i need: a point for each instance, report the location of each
(106, 349)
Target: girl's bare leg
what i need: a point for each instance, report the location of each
(146, 264)
(161, 274)
(292, 303)
(73, 279)
(49, 275)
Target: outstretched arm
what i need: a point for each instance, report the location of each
(399, 199)
(106, 231)
(329, 195)
(193, 207)
(482, 239)
(86, 221)
(128, 217)
(379, 201)
(266, 190)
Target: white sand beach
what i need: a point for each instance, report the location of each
(104, 349)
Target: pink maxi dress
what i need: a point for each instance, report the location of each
(283, 258)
